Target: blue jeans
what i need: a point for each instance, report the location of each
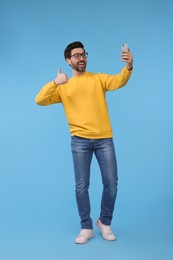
(82, 151)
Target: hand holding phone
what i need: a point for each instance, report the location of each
(127, 56)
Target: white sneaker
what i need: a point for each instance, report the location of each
(106, 231)
(84, 236)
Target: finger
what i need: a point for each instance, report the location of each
(59, 71)
(125, 57)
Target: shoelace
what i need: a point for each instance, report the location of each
(82, 234)
(107, 231)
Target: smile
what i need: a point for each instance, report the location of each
(81, 63)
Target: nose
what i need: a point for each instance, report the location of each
(81, 57)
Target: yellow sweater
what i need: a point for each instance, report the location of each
(84, 101)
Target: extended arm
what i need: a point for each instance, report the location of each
(112, 82)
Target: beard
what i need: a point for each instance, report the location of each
(80, 66)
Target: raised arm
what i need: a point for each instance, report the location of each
(49, 94)
(113, 82)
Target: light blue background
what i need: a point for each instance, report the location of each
(38, 215)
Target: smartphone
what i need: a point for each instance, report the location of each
(124, 47)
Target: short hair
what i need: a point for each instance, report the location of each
(70, 47)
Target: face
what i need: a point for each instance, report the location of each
(77, 61)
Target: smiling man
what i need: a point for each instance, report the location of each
(84, 99)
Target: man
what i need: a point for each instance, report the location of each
(83, 98)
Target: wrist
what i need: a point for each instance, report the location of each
(129, 67)
(55, 82)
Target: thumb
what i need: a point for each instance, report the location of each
(59, 71)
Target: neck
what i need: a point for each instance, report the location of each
(78, 73)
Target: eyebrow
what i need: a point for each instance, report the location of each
(78, 53)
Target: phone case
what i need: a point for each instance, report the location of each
(124, 47)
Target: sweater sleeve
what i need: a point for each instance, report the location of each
(48, 95)
(113, 82)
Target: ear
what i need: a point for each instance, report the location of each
(68, 61)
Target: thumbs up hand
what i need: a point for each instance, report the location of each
(61, 78)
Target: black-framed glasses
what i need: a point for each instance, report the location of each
(78, 56)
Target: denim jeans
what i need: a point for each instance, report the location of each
(82, 152)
